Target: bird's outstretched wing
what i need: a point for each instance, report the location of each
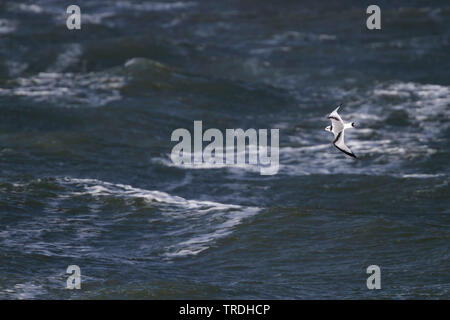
(340, 144)
(337, 125)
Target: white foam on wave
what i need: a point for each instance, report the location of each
(202, 242)
(24, 7)
(249, 167)
(25, 291)
(68, 57)
(424, 102)
(295, 37)
(219, 219)
(422, 175)
(8, 26)
(155, 6)
(183, 227)
(96, 187)
(68, 89)
(206, 166)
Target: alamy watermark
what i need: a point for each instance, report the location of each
(74, 20)
(373, 22)
(74, 280)
(249, 147)
(374, 280)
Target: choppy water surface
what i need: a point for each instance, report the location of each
(86, 176)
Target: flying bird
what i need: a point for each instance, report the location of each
(338, 128)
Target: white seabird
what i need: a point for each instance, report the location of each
(337, 128)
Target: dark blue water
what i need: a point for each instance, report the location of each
(86, 177)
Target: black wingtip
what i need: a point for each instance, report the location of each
(347, 153)
(351, 155)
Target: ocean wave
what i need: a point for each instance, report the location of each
(155, 6)
(25, 291)
(24, 7)
(97, 188)
(173, 227)
(67, 89)
(421, 175)
(69, 56)
(208, 230)
(8, 26)
(252, 150)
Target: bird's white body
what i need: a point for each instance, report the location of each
(337, 128)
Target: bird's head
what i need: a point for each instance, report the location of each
(328, 128)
